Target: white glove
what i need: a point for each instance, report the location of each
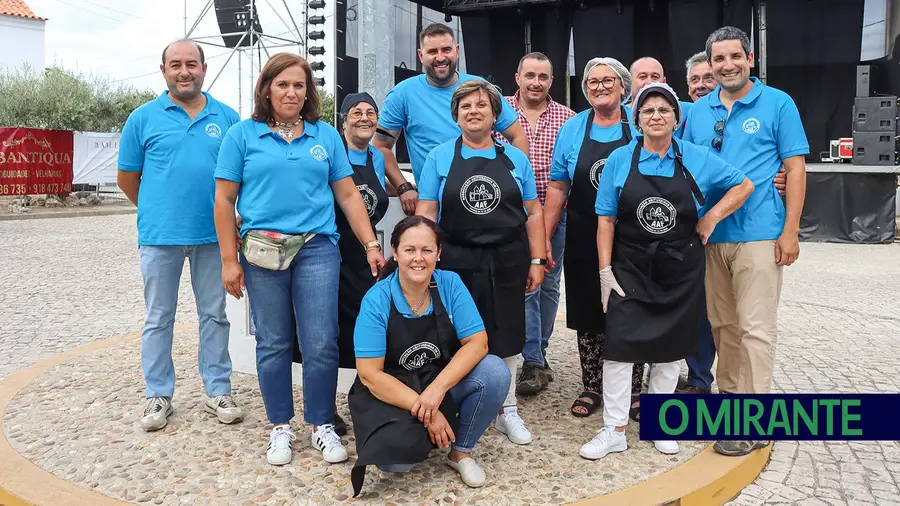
(608, 283)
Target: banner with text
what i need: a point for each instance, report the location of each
(95, 158)
(34, 161)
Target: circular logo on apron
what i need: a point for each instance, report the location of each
(369, 198)
(479, 194)
(418, 355)
(656, 215)
(596, 170)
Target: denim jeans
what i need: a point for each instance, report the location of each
(541, 305)
(700, 364)
(161, 268)
(306, 292)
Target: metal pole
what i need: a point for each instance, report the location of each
(185, 19)
(527, 34)
(376, 48)
(418, 31)
(240, 93)
(762, 41)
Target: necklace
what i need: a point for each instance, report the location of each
(416, 310)
(286, 129)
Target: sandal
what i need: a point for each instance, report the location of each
(635, 411)
(589, 406)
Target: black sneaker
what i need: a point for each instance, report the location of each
(532, 380)
(340, 426)
(738, 448)
(548, 371)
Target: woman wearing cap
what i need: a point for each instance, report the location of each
(482, 194)
(651, 235)
(582, 146)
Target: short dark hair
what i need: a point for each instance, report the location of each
(278, 63)
(535, 55)
(727, 33)
(399, 229)
(476, 86)
(198, 46)
(434, 30)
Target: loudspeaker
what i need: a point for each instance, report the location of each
(864, 80)
(874, 148)
(233, 17)
(875, 114)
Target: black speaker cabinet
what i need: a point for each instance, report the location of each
(875, 114)
(874, 148)
(865, 74)
(233, 17)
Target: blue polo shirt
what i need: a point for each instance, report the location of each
(709, 171)
(437, 167)
(685, 110)
(763, 129)
(360, 158)
(571, 137)
(422, 111)
(285, 187)
(176, 157)
(370, 334)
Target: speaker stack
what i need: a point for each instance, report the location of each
(875, 130)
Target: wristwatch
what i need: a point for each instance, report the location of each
(538, 261)
(372, 245)
(405, 187)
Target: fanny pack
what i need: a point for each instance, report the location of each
(272, 250)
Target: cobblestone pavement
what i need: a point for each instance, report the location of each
(68, 281)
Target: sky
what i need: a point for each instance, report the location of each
(124, 41)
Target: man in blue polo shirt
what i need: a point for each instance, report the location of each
(420, 105)
(649, 70)
(167, 155)
(756, 128)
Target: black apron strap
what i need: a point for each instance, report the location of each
(439, 312)
(679, 163)
(626, 129)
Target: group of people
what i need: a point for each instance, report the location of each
(667, 215)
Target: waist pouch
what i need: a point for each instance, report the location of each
(272, 250)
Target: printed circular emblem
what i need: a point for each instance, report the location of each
(213, 130)
(369, 198)
(596, 170)
(418, 355)
(656, 215)
(750, 126)
(479, 194)
(318, 152)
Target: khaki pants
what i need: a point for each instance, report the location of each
(743, 287)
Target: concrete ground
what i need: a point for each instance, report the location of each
(67, 281)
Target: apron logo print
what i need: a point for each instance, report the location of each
(751, 126)
(480, 195)
(417, 355)
(596, 170)
(369, 198)
(656, 215)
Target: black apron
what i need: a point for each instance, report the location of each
(418, 349)
(484, 241)
(584, 311)
(660, 263)
(355, 274)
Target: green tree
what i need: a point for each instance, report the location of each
(326, 104)
(59, 98)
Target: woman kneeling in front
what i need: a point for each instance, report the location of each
(650, 238)
(424, 374)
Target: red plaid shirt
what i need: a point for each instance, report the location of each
(542, 139)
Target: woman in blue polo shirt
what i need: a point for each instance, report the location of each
(482, 194)
(652, 229)
(286, 169)
(425, 377)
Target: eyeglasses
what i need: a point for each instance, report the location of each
(357, 114)
(663, 111)
(607, 82)
(719, 127)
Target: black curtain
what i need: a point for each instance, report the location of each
(550, 26)
(601, 30)
(495, 41)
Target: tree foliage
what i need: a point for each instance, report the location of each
(326, 104)
(59, 98)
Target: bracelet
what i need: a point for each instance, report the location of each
(373, 245)
(405, 187)
(538, 261)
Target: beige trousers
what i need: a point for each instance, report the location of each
(743, 287)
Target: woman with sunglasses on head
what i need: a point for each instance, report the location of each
(652, 228)
(582, 146)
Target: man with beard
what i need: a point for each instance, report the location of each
(757, 128)
(167, 157)
(649, 70)
(420, 106)
(541, 118)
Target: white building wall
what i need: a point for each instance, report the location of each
(22, 41)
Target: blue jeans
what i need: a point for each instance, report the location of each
(541, 305)
(307, 293)
(700, 364)
(479, 395)
(161, 268)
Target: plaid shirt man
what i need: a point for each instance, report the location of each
(541, 139)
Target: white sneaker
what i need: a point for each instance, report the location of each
(327, 440)
(510, 423)
(607, 441)
(156, 413)
(667, 447)
(280, 450)
(471, 473)
(224, 407)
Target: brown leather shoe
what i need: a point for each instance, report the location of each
(691, 389)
